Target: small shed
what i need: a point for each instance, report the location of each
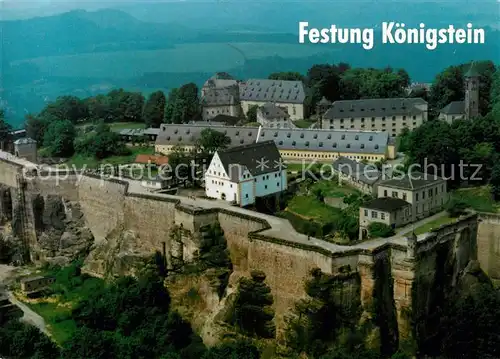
(34, 284)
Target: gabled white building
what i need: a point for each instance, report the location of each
(241, 174)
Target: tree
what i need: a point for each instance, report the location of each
(213, 248)
(188, 94)
(252, 312)
(241, 349)
(59, 138)
(35, 127)
(211, 141)
(373, 83)
(69, 108)
(403, 139)
(448, 86)
(252, 114)
(287, 76)
(313, 326)
(468, 326)
(99, 108)
(456, 208)
(379, 229)
(495, 181)
(101, 143)
(170, 108)
(154, 109)
(20, 340)
(323, 80)
(5, 131)
(180, 164)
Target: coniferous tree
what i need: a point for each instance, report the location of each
(154, 109)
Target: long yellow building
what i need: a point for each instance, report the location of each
(294, 144)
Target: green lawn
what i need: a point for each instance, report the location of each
(434, 224)
(331, 188)
(57, 318)
(303, 123)
(477, 198)
(310, 207)
(56, 309)
(79, 161)
(118, 126)
(295, 167)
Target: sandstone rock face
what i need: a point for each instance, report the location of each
(62, 233)
(116, 255)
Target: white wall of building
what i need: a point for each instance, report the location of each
(295, 110)
(219, 186)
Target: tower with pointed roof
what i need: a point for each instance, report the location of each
(471, 92)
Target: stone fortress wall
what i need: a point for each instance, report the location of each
(128, 224)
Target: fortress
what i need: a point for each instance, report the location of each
(401, 279)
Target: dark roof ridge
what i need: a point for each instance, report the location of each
(246, 146)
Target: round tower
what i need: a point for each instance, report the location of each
(471, 102)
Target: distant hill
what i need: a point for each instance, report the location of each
(145, 46)
(80, 31)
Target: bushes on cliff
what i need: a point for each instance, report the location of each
(252, 312)
(470, 325)
(315, 324)
(455, 207)
(20, 340)
(380, 230)
(132, 319)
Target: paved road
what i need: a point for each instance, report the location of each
(29, 315)
(281, 228)
(409, 228)
(7, 274)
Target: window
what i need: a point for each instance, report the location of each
(395, 194)
(374, 214)
(265, 187)
(366, 213)
(246, 196)
(416, 196)
(277, 184)
(385, 193)
(430, 193)
(404, 196)
(423, 195)
(382, 215)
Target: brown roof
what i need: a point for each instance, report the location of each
(146, 159)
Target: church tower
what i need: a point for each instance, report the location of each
(471, 93)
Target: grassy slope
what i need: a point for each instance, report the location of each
(56, 309)
(79, 161)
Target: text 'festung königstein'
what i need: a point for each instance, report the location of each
(391, 33)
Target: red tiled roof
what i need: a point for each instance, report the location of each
(157, 160)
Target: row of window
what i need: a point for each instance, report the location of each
(374, 214)
(373, 119)
(430, 192)
(373, 126)
(245, 176)
(213, 112)
(373, 109)
(428, 206)
(329, 156)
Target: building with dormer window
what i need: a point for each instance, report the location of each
(243, 173)
(272, 116)
(289, 95)
(389, 115)
(294, 144)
